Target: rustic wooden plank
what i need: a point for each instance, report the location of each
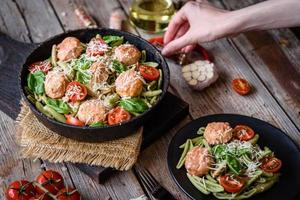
(275, 57)
(11, 166)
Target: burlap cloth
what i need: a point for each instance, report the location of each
(37, 141)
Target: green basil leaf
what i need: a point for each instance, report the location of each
(113, 40)
(219, 152)
(83, 77)
(118, 67)
(58, 105)
(134, 105)
(98, 124)
(35, 82)
(233, 164)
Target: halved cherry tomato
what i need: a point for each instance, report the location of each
(149, 73)
(20, 190)
(51, 180)
(96, 47)
(44, 66)
(68, 194)
(73, 121)
(241, 86)
(232, 183)
(76, 91)
(271, 164)
(243, 133)
(117, 115)
(156, 41)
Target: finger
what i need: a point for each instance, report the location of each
(182, 30)
(189, 48)
(174, 26)
(177, 44)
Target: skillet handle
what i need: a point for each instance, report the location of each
(12, 56)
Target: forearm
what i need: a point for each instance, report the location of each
(266, 15)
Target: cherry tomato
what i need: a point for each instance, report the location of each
(44, 66)
(241, 86)
(243, 133)
(149, 73)
(271, 164)
(41, 197)
(51, 180)
(157, 41)
(96, 47)
(76, 91)
(73, 121)
(20, 190)
(68, 194)
(118, 115)
(232, 183)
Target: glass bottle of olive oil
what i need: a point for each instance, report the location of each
(151, 15)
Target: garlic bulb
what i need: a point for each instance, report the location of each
(200, 74)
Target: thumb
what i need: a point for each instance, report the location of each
(177, 44)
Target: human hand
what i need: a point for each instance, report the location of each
(195, 23)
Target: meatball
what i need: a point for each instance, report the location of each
(198, 161)
(218, 133)
(127, 54)
(91, 111)
(128, 84)
(55, 84)
(69, 48)
(99, 73)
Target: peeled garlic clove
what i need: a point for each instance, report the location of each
(201, 78)
(193, 82)
(200, 74)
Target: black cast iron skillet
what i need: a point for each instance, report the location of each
(94, 134)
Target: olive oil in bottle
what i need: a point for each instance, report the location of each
(151, 15)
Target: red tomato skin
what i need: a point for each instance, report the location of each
(249, 132)
(73, 121)
(266, 160)
(41, 197)
(231, 188)
(156, 41)
(68, 194)
(44, 66)
(149, 73)
(117, 115)
(241, 86)
(13, 191)
(51, 180)
(81, 95)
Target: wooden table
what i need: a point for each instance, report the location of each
(270, 60)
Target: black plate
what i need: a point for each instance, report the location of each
(288, 187)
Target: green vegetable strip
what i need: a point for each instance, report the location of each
(56, 115)
(152, 93)
(254, 139)
(199, 185)
(210, 186)
(201, 131)
(151, 64)
(53, 56)
(188, 146)
(159, 84)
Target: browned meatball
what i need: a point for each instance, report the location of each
(55, 84)
(129, 84)
(218, 133)
(99, 73)
(91, 111)
(127, 54)
(198, 161)
(68, 49)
